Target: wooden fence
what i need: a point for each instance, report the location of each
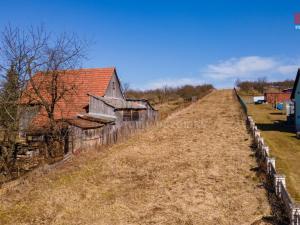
(291, 208)
(108, 135)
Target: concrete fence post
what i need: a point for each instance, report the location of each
(267, 151)
(250, 122)
(250, 119)
(270, 162)
(295, 215)
(278, 180)
(258, 142)
(254, 130)
(256, 137)
(262, 142)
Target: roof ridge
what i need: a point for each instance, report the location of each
(91, 69)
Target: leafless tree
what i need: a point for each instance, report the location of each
(39, 61)
(261, 84)
(125, 89)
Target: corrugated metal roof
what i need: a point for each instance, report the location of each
(141, 100)
(97, 117)
(119, 103)
(84, 124)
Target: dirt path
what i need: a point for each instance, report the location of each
(193, 168)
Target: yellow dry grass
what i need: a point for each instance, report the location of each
(169, 107)
(192, 168)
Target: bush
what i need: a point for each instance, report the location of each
(166, 93)
(260, 85)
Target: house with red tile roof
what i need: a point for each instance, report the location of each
(99, 82)
(94, 107)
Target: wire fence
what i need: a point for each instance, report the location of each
(243, 104)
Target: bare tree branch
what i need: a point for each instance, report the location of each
(40, 62)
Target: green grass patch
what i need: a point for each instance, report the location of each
(281, 138)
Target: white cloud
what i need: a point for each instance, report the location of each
(224, 73)
(173, 82)
(249, 67)
(288, 69)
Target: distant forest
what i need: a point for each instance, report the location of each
(261, 85)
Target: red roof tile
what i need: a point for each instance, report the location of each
(84, 81)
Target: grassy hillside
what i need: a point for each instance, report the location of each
(173, 173)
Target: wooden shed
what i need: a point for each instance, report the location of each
(277, 97)
(98, 114)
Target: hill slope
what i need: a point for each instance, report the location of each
(192, 168)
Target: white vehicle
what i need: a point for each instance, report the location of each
(258, 99)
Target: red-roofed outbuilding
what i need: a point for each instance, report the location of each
(93, 111)
(81, 83)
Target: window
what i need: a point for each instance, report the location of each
(130, 115)
(127, 115)
(135, 115)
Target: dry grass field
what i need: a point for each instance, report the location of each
(169, 107)
(195, 167)
(284, 145)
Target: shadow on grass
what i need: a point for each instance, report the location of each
(277, 113)
(279, 125)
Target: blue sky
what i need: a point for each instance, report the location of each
(153, 43)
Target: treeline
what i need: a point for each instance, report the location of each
(165, 94)
(261, 85)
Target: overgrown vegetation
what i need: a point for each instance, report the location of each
(169, 99)
(261, 84)
(166, 94)
(9, 95)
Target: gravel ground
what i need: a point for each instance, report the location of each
(192, 168)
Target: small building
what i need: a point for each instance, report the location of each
(295, 97)
(98, 114)
(277, 97)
